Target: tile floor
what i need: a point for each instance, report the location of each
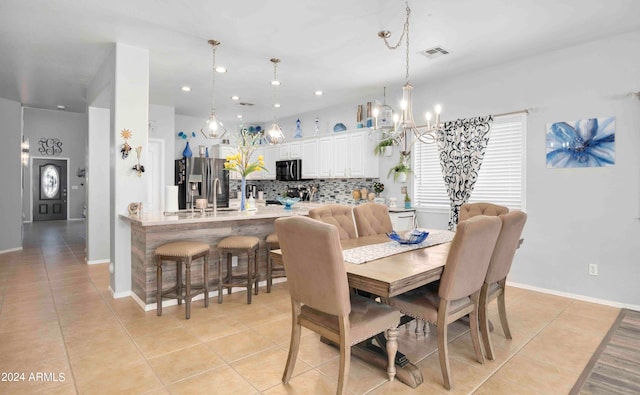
(62, 333)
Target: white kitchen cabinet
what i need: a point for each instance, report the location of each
(291, 150)
(270, 157)
(340, 156)
(256, 175)
(325, 157)
(310, 161)
(357, 144)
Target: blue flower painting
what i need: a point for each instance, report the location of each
(584, 143)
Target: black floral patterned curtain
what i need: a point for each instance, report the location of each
(462, 145)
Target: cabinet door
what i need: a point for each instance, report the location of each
(357, 144)
(310, 158)
(325, 157)
(340, 156)
(270, 155)
(295, 150)
(256, 175)
(285, 151)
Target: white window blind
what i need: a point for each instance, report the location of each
(501, 176)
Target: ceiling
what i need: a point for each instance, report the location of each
(51, 49)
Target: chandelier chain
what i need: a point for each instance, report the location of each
(213, 81)
(274, 94)
(404, 35)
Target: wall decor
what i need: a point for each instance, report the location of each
(138, 167)
(49, 146)
(583, 143)
(125, 147)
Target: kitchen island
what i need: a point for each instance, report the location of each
(150, 230)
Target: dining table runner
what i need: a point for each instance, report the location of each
(360, 255)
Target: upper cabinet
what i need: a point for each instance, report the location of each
(292, 150)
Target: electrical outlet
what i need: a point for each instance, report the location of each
(234, 261)
(593, 269)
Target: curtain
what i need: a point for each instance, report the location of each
(462, 144)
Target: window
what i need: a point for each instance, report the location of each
(501, 176)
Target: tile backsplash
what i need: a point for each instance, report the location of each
(332, 190)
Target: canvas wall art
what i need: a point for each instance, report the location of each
(583, 143)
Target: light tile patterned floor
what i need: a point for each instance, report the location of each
(58, 318)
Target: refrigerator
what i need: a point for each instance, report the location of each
(195, 177)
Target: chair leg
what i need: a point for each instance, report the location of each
(473, 327)
(220, 288)
(392, 349)
(345, 358)
(256, 273)
(269, 271)
(249, 276)
(159, 286)
(187, 296)
(205, 280)
(179, 280)
(229, 272)
(294, 345)
(443, 350)
(502, 309)
(484, 322)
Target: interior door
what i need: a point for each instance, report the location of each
(49, 189)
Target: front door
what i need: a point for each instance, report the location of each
(49, 189)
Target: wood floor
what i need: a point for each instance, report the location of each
(58, 319)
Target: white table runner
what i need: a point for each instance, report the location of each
(372, 252)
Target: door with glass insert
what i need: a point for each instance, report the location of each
(49, 189)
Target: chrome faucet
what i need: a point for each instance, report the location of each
(215, 194)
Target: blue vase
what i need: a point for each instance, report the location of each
(187, 151)
(243, 188)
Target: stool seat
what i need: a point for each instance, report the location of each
(236, 245)
(182, 252)
(182, 249)
(239, 242)
(273, 271)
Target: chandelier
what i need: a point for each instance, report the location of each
(403, 130)
(274, 135)
(213, 125)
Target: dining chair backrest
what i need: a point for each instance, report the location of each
(372, 219)
(505, 249)
(469, 210)
(313, 261)
(341, 216)
(469, 257)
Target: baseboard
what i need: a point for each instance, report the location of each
(98, 261)
(11, 250)
(75, 219)
(212, 294)
(575, 296)
(118, 295)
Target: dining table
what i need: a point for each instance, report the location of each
(389, 276)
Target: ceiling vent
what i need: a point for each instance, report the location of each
(245, 104)
(434, 52)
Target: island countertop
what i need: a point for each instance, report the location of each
(225, 215)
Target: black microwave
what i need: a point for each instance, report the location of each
(289, 170)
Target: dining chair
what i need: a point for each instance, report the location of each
(469, 210)
(458, 294)
(372, 219)
(320, 297)
(341, 216)
(495, 281)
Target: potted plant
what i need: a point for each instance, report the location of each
(384, 147)
(407, 200)
(400, 172)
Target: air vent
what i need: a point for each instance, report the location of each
(245, 104)
(434, 52)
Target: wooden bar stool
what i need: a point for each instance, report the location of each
(236, 245)
(182, 252)
(277, 271)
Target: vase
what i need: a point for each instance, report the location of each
(187, 151)
(402, 177)
(243, 188)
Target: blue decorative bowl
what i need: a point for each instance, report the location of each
(288, 202)
(339, 127)
(414, 237)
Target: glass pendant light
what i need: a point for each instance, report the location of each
(274, 134)
(215, 128)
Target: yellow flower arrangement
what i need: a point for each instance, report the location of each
(240, 162)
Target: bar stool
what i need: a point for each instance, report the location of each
(236, 245)
(182, 252)
(273, 272)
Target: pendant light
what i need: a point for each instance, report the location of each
(214, 127)
(274, 135)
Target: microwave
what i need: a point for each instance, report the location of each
(289, 170)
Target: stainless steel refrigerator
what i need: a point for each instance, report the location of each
(194, 178)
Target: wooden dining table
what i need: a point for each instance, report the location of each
(387, 277)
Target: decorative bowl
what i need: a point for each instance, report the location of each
(287, 202)
(339, 127)
(416, 236)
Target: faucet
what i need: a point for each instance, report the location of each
(215, 196)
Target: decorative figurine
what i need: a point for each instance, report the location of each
(298, 130)
(138, 167)
(125, 148)
(316, 127)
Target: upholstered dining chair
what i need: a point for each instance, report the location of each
(495, 281)
(341, 216)
(458, 294)
(372, 219)
(469, 210)
(320, 297)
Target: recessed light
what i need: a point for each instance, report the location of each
(221, 69)
(239, 116)
(60, 107)
(277, 105)
(318, 93)
(234, 97)
(186, 88)
(275, 83)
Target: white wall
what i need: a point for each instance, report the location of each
(71, 129)
(11, 200)
(188, 124)
(163, 121)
